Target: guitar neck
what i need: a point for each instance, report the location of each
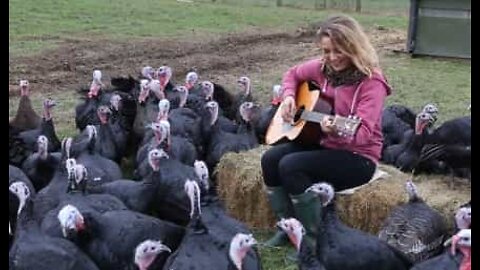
(313, 116)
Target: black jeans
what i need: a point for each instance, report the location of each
(296, 167)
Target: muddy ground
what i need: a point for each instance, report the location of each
(218, 58)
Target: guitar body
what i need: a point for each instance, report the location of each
(300, 130)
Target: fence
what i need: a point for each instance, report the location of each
(364, 6)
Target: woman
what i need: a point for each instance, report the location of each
(352, 83)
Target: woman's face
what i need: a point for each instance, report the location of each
(333, 57)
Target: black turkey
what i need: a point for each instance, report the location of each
(244, 95)
(17, 149)
(85, 112)
(450, 143)
(409, 158)
(147, 109)
(343, 247)
(202, 249)
(69, 185)
(100, 169)
(222, 142)
(41, 165)
(264, 117)
(108, 143)
(415, 228)
(112, 239)
(32, 249)
(164, 75)
(397, 119)
(214, 215)
(305, 254)
(46, 128)
(138, 196)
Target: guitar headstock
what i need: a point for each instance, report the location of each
(347, 126)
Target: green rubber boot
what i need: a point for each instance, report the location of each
(306, 207)
(282, 207)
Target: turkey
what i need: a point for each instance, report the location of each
(202, 249)
(17, 149)
(457, 257)
(409, 158)
(69, 185)
(264, 117)
(41, 165)
(184, 121)
(450, 143)
(26, 118)
(415, 228)
(114, 239)
(182, 131)
(176, 147)
(306, 257)
(225, 99)
(15, 175)
(213, 211)
(244, 95)
(164, 75)
(121, 122)
(108, 143)
(191, 80)
(100, 169)
(147, 110)
(397, 119)
(138, 196)
(222, 142)
(85, 112)
(32, 249)
(463, 218)
(46, 128)
(343, 247)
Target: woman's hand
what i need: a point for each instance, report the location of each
(327, 125)
(288, 109)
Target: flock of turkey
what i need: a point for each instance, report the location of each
(71, 208)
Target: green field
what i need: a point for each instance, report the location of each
(42, 24)
(34, 25)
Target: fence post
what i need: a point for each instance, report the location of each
(358, 5)
(320, 4)
(279, 3)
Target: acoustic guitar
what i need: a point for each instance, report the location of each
(311, 109)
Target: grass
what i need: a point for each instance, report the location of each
(37, 25)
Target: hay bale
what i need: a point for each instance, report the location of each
(368, 206)
(240, 185)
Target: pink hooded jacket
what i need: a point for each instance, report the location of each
(365, 100)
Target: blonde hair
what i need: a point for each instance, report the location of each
(348, 36)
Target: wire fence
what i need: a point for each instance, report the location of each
(399, 7)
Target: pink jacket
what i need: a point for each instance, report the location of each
(365, 100)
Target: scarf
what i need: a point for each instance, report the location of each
(348, 76)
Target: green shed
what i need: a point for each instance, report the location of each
(440, 28)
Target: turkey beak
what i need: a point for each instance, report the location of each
(70, 233)
(448, 242)
(164, 248)
(421, 122)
